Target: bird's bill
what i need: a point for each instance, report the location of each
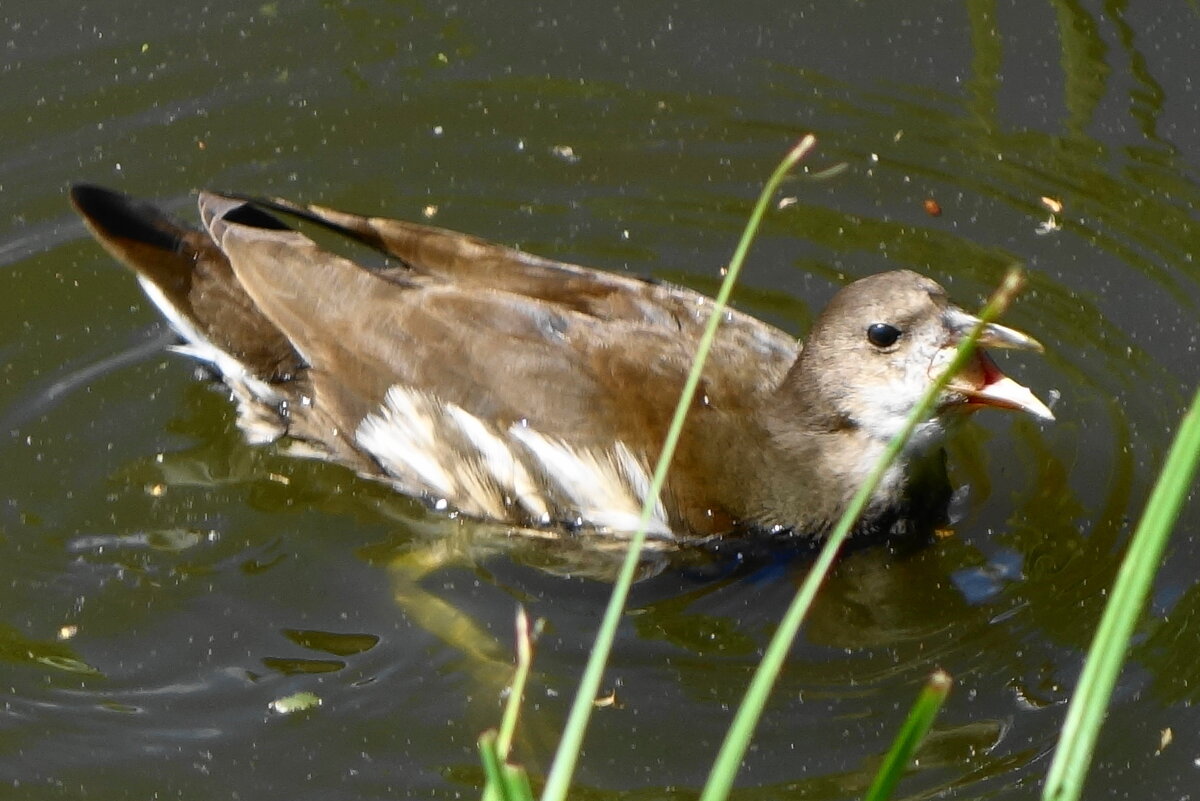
(981, 383)
(993, 335)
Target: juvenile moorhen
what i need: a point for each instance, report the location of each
(537, 393)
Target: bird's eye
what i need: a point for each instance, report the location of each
(882, 335)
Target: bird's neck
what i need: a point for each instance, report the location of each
(812, 464)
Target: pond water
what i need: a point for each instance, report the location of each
(161, 583)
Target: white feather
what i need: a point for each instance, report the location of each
(442, 450)
(259, 424)
(598, 491)
(402, 435)
(498, 459)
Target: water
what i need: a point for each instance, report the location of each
(204, 578)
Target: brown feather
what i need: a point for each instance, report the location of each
(544, 359)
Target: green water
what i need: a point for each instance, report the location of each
(205, 579)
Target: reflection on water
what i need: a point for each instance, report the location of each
(163, 582)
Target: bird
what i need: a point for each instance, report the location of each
(511, 388)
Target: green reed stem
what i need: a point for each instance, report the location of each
(507, 782)
(737, 740)
(504, 782)
(915, 727)
(512, 708)
(565, 759)
(1089, 706)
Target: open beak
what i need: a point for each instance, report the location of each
(980, 382)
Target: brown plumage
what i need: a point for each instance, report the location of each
(535, 392)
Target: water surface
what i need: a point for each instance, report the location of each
(200, 579)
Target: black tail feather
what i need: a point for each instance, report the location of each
(119, 216)
(197, 289)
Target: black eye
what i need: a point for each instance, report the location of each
(882, 335)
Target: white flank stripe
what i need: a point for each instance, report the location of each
(639, 479)
(403, 438)
(442, 450)
(597, 489)
(497, 458)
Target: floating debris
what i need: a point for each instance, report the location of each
(67, 663)
(1048, 227)
(296, 702)
(834, 171)
(565, 152)
(1053, 224)
(1054, 204)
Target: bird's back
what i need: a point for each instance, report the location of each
(507, 385)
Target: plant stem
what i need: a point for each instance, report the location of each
(565, 759)
(1107, 653)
